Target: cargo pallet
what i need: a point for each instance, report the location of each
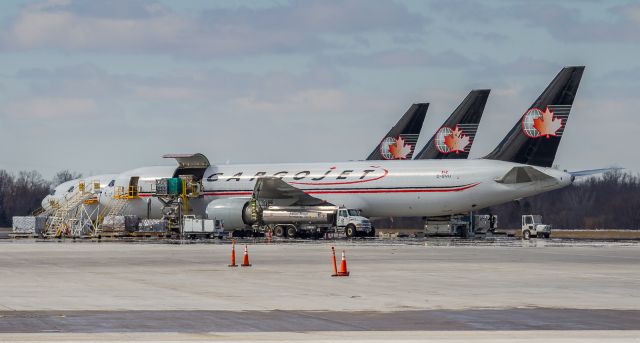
(150, 235)
(110, 235)
(23, 235)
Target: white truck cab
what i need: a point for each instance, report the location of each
(532, 226)
(353, 223)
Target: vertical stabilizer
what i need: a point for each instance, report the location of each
(400, 142)
(535, 138)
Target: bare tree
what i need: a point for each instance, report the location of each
(6, 186)
(64, 176)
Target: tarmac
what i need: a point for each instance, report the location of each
(398, 290)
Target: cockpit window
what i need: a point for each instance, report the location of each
(71, 189)
(113, 182)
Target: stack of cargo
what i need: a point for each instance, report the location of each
(113, 223)
(153, 225)
(161, 186)
(29, 225)
(131, 223)
(170, 186)
(174, 186)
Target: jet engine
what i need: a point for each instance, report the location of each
(235, 212)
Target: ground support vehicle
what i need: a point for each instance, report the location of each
(532, 226)
(193, 227)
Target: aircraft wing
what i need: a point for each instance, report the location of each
(522, 175)
(280, 193)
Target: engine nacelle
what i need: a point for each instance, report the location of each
(235, 212)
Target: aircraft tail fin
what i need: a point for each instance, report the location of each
(535, 138)
(399, 143)
(455, 138)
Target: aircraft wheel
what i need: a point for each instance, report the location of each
(526, 234)
(278, 231)
(547, 235)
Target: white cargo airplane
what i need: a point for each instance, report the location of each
(519, 167)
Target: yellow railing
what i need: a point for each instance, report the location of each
(123, 192)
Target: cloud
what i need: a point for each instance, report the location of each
(150, 27)
(400, 58)
(84, 90)
(523, 65)
(323, 100)
(464, 10)
(569, 24)
(51, 108)
(566, 22)
(90, 81)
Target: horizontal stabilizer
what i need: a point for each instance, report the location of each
(593, 171)
(522, 175)
(280, 193)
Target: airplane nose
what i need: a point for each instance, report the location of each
(45, 201)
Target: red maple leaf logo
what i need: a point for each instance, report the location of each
(547, 124)
(456, 141)
(399, 150)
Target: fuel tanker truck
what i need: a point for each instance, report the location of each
(288, 221)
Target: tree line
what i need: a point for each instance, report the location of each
(22, 193)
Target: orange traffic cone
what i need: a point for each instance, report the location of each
(233, 254)
(245, 260)
(343, 264)
(335, 267)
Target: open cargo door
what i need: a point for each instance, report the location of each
(190, 164)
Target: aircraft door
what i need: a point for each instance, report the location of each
(133, 186)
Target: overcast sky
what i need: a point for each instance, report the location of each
(106, 86)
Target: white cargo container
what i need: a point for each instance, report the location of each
(193, 227)
(153, 225)
(28, 224)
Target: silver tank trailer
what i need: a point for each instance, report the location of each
(299, 214)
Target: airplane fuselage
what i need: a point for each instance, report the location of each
(378, 188)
